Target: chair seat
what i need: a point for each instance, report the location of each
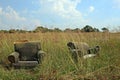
(25, 64)
(89, 55)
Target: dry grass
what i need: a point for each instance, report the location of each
(58, 63)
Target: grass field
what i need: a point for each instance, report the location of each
(58, 64)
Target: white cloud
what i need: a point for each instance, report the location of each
(51, 12)
(9, 17)
(91, 8)
(11, 14)
(116, 3)
(65, 9)
(63, 13)
(0, 10)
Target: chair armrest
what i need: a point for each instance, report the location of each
(41, 54)
(13, 57)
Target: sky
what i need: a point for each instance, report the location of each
(28, 14)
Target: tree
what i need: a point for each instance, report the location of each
(3, 31)
(41, 29)
(12, 31)
(96, 30)
(57, 30)
(67, 30)
(76, 30)
(87, 28)
(104, 29)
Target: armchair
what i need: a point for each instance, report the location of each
(82, 50)
(26, 54)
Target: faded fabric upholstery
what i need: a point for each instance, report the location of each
(27, 54)
(27, 50)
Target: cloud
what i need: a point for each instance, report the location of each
(60, 13)
(63, 9)
(116, 3)
(10, 14)
(9, 18)
(91, 8)
(0, 10)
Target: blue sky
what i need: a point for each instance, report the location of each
(27, 14)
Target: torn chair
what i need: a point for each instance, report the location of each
(26, 55)
(82, 50)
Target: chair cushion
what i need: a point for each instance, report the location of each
(89, 55)
(26, 64)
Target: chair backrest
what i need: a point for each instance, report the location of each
(79, 46)
(27, 50)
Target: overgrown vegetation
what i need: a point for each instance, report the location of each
(58, 64)
(43, 29)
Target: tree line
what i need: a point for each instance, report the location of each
(42, 29)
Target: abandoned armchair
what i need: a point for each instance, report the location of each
(27, 54)
(82, 50)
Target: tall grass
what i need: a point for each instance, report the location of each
(58, 63)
